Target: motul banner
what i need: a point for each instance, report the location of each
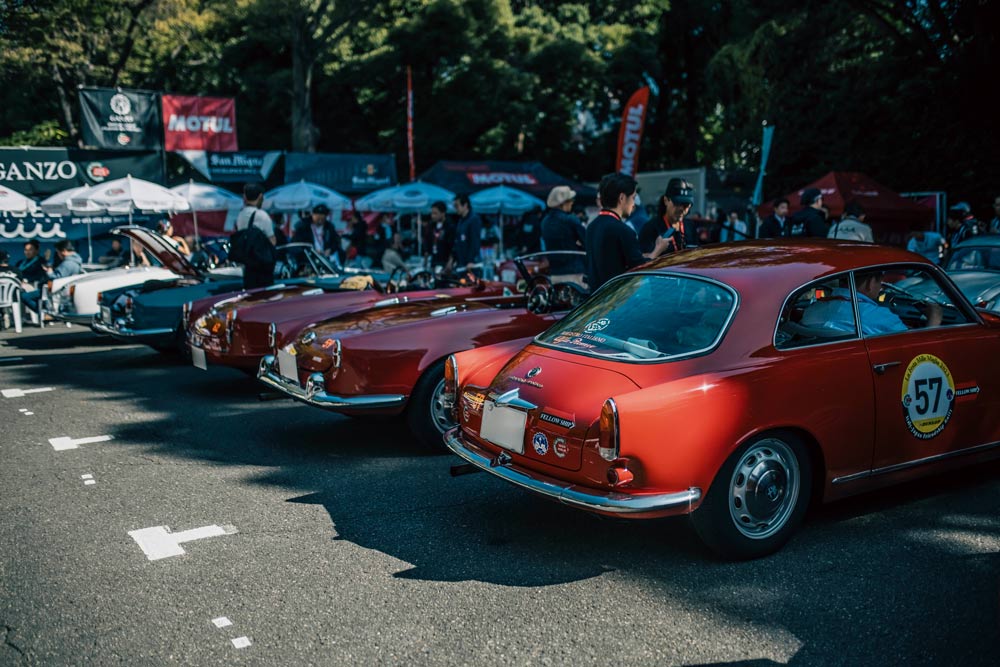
(199, 123)
(630, 135)
(118, 119)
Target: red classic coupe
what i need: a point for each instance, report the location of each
(736, 384)
(389, 359)
(240, 328)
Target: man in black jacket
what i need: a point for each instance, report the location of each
(810, 221)
(468, 235)
(774, 225)
(318, 232)
(673, 206)
(32, 267)
(561, 230)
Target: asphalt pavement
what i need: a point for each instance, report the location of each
(157, 514)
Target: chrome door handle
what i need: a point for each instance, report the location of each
(882, 368)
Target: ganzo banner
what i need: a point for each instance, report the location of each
(40, 172)
(199, 123)
(116, 118)
(630, 135)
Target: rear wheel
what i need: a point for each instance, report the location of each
(427, 415)
(757, 499)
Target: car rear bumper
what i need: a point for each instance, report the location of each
(595, 500)
(315, 394)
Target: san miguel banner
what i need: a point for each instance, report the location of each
(199, 123)
(115, 118)
(630, 135)
(233, 167)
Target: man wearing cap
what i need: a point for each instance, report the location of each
(810, 221)
(612, 246)
(673, 206)
(961, 224)
(318, 231)
(561, 230)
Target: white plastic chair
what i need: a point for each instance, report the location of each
(10, 297)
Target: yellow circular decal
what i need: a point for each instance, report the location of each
(928, 396)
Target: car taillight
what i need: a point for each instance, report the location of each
(451, 386)
(272, 336)
(72, 291)
(100, 297)
(128, 305)
(186, 313)
(607, 438)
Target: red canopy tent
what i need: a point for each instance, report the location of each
(881, 204)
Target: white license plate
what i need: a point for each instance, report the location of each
(198, 358)
(287, 366)
(503, 426)
(105, 314)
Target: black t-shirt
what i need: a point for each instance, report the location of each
(612, 249)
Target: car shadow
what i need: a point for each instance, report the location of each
(877, 563)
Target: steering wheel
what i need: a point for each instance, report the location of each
(539, 293)
(422, 280)
(392, 284)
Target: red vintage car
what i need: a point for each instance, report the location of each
(736, 384)
(238, 329)
(389, 359)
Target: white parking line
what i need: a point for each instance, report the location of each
(65, 442)
(19, 393)
(158, 542)
(221, 622)
(241, 642)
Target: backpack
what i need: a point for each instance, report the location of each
(251, 248)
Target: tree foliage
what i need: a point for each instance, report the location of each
(896, 89)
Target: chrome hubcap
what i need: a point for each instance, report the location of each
(440, 411)
(764, 489)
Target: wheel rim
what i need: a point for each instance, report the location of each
(764, 489)
(440, 413)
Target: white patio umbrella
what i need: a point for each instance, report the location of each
(205, 197)
(58, 204)
(504, 200)
(303, 196)
(125, 196)
(15, 202)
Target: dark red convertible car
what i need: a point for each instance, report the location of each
(736, 384)
(241, 328)
(389, 359)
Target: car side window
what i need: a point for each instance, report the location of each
(821, 312)
(916, 297)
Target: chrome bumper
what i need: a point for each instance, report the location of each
(73, 317)
(315, 394)
(576, 496)
(119, 329)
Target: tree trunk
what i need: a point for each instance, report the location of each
(304, 132)
(67, 109)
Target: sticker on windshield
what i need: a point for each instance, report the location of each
(597, 325)
(928, 396)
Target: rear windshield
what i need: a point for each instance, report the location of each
(646, 317)
(973, 258)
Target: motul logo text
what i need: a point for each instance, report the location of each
(217, 124)
(633, 134)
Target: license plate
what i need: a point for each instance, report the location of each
(105, 314)
(504, 426)
(287, 366)
(198, 358)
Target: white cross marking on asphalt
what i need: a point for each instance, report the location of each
(221, 622)
(158, 542)
(241, 642)
(20, 393)
(65, 442)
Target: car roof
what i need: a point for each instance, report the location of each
(979, 241)
(780, 265)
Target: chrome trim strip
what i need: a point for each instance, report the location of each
(316, 396)
(915, 463)
(576, 496)
(101, 327)
(514, 400)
